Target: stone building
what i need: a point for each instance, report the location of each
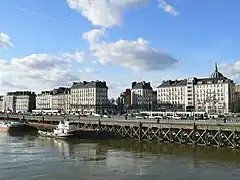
(126, 99)
(44, 100)
(214, 94)
(1, 103)
(141, 95)
(89, 97)
(61, 99)
(20, 101)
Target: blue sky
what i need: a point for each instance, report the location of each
(194, 34)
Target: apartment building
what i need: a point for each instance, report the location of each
(141, 95)
(126, 98)
(89, 96)
(44, 100)
(236, 103)
(61, 99)
(20, 101)
(1, 103)
(214, 94)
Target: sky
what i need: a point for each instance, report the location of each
(45, 44)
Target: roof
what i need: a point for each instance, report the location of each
(173, 83)
(215, 77)
(216, 73)
(214, 80)
(21, 93)
(183, 82)
(92, 84)
(141, 85)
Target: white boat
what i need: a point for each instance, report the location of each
(64, 129)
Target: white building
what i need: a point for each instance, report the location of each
(214, 94)
(89, 96)
(9, 103)
(61, 99)
(141, 95)
(20, 101)
(1, 103)
(44, 100)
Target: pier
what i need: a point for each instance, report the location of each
(206, 133)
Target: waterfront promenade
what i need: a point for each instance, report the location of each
(120, 119)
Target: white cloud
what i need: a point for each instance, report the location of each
(37, 72)
(104, 13)
(137, 55)
(89, 70)
(93, 36)
(5, 41)
(79, 56)
(231, 70)
(168, 8)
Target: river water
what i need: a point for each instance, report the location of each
(29, 157)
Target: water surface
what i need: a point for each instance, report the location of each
(28, 157)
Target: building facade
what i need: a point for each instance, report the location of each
(89, 96)
(141, 95)
(20, 101)
(214, 94)
(1, 103)
(61, 99)
(44, 100)
(126, 99)
(236, 103)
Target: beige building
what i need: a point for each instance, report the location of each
(44, 100)
(20, 101)
(214, 94)
(141, 95)
(89, 96)
(61, 99)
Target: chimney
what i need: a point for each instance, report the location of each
(84, 82)
(134, 84)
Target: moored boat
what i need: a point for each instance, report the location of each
(14, 126)
(64, 130)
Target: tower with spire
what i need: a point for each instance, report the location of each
(216, 73)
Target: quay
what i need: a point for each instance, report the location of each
(206, 133)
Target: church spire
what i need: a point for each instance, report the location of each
(216, 68)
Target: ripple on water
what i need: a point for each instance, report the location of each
(49, 159)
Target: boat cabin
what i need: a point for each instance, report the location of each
(65, 126)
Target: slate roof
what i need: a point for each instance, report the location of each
(61, 90)
(21, 93)
(216, 73)
(183, 82)
(173, 83)
(92, 84)
(213, 79)
(141, 85)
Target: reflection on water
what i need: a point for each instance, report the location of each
(74, 149)
(24, 157)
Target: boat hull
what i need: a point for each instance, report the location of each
(17, 127)
(53, 135)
